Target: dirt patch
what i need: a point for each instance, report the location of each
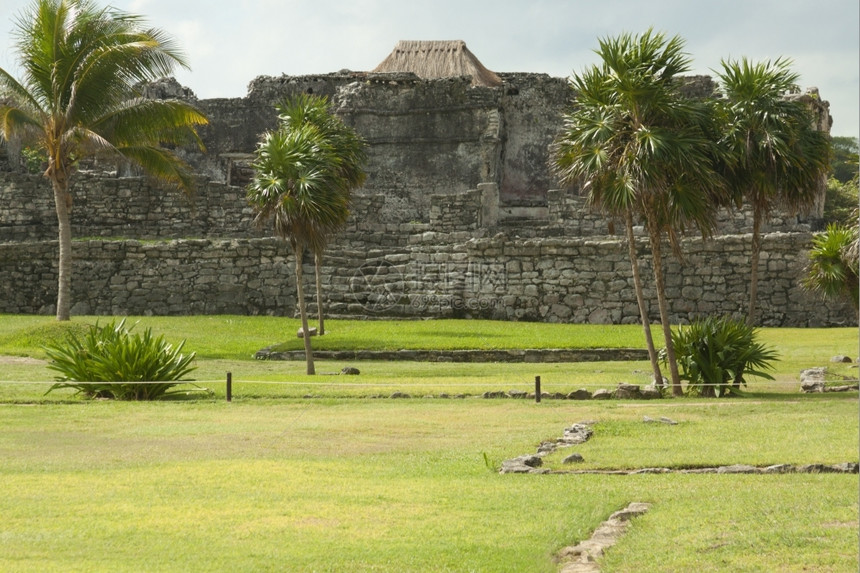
(20, 360)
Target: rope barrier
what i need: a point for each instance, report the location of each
(403, 384)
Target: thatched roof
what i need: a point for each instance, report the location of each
(431, 60)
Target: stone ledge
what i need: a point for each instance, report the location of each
(519, 355)
(843, 468)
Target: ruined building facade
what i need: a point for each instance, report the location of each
(460, 216)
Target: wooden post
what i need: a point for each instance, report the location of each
(229, 386)
(537, 389)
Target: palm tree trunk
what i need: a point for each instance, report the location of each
(62, 201)
(300, 292)
(640, 298)
(756, 251)
(656, 252)
(317, 273)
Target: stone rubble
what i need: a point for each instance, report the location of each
(814, 380)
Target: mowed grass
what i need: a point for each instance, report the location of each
(227, 343)
(386, 485)
(239, 337)
(277, 482)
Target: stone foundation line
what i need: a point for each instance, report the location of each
(581, 432)
(581, 558)
(535, 355)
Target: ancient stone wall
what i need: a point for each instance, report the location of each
(177, 277)
(456, 212)
(131, 207)
(571, 214)
(583, 280)
(459, 217)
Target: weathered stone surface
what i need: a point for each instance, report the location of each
(652, 392)
(460, 210)
(826, 469)
(661, 420)
(255, 276)
(350, 371)
(582, 431)
(843, 388)
(537, 356)
(547, 447)
(779, 469)
(494, 394)
(812, 380)
(737, 469)
(626, 391)
(581, 558)
(649, 471)
(841, 358)
(523, 464)
(844, 468)
(575, 434)
(601, 394)
(581, 394)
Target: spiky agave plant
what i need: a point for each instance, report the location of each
(716, 354)
(98, 362)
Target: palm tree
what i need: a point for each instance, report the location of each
(779, 159)
(641, 150)
(834, 267)
(350, 147)
(302, 181)
(79, 97)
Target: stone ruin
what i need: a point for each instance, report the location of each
(460, 217)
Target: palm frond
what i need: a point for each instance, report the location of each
(778, 158)
(15, 122)
(833, 268)
(305, 171)
(161, 164)
(140, 120)
(81, 65)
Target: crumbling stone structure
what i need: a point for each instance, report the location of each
(460, 216)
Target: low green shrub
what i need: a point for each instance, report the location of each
(94, 362)
(833, 268)
(716, 353)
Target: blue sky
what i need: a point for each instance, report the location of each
(230, 43)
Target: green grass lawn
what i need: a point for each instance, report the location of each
(239, 337)
(276, 482)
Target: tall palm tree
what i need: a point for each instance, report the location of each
(641, 149)
(78, 97)
(299, 183)
(779, 159)
(350, 147)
